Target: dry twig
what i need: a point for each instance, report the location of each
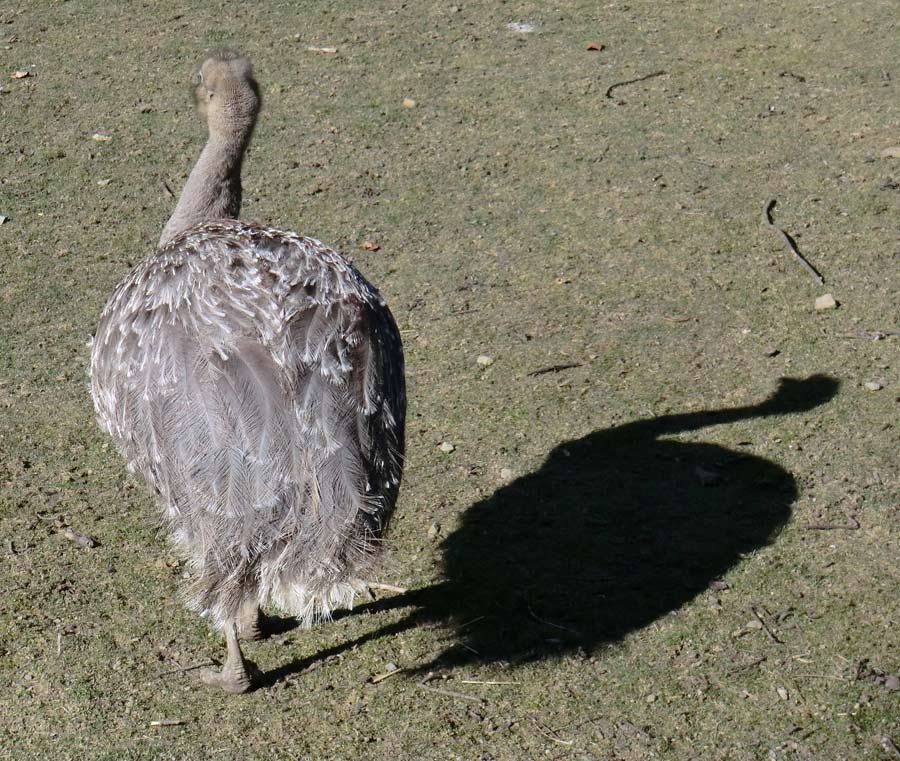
(789, 242)
(617, 85)
(765, 627)
(553, 369)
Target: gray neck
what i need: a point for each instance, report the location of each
(213, 189)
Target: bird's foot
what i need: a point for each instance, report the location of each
(238, 674)
(233, 679)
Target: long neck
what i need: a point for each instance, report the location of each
(213, 189)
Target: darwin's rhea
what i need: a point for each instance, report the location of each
(254, 378)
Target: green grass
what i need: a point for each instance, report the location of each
(521, 214)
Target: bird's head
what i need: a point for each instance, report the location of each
(227, 95)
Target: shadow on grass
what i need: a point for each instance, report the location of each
(613, 531)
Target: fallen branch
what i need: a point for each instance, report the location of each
(789, 242)
(617, 85)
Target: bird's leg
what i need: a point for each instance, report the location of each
(251, 621)
(237, 674)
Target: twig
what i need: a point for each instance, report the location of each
(451, 693)
(548, 735)
(823, 676)
(385, 675)
(553, 369)
(479, 681)
(318, 664)
(184, 669)
(167, 722)
(617, 85)
(753, 664)
(871, 335)
(853, 525)
(766, 629)
(550, 623)
(385, 587)
(789, 241)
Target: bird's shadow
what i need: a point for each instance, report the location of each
(613, 531)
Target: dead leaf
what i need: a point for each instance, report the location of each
(594, 46)
(98, 138)
(20, 74)
(322, 50)
(368, 245)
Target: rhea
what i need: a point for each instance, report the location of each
(255, 379)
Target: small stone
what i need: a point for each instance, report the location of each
(782, 693)
(891, 683)
(98, 138)
(594, 46)
(521, 27)
(873, 386)
(506, 474)
(651, 698)
(20, 74)
(391, 666)
(447, 447)
(718, 585)
(3, 219)
(484, 360)
(434, 530)
(892, 152)
(772, 351)
(825, 302)
(409, 103)
(103, 183)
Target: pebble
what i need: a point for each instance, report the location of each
(434, 530)
(782, 693)
(825, 302)
(506, 474)
(892, 152)
(891, 683)
(873, 386)
(447, 447)
(484, 360)
(520, 26)
(409, 103)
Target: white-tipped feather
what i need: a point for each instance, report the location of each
(255, 379)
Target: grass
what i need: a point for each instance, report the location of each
(524, 215)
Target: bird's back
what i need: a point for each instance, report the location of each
(255, 379)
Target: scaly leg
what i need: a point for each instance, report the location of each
(237, 674)
(251, 621)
